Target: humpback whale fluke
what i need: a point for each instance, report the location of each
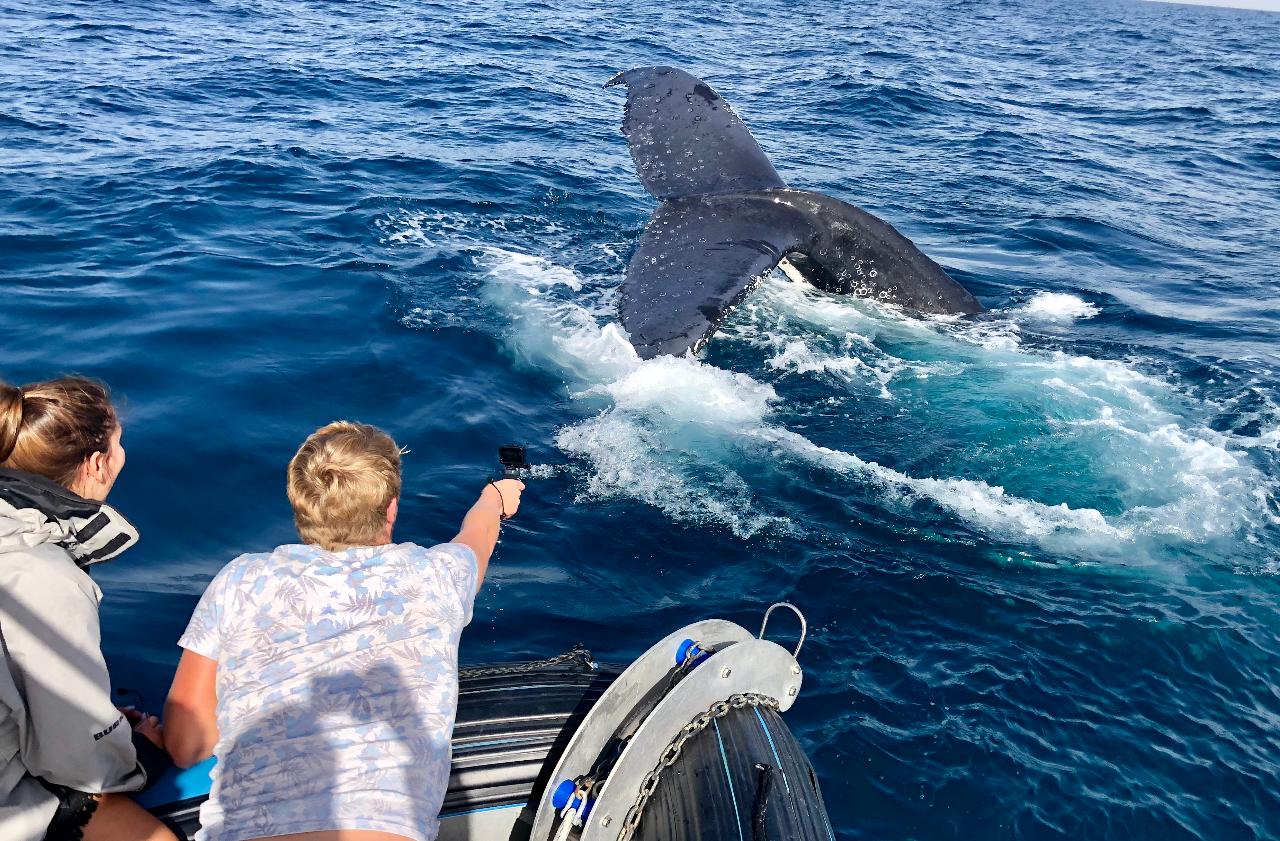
(727, 219)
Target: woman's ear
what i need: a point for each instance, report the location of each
(91, 476)
(393, 511)
(88, 482)
(96, 467)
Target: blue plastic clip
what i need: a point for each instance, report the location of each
(690, 651)
(560, 798)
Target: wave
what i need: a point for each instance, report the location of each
(14, 121)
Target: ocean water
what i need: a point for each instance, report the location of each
(1038, 549)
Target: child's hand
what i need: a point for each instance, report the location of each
(506, 493)
(151, 727)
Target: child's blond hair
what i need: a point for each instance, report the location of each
(341, 483)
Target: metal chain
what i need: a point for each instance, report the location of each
(671, 753)
(579, 655)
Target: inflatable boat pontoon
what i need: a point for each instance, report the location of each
(686, 743)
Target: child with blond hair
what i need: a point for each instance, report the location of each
(324, 674)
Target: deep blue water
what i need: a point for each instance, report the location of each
(1038, 550)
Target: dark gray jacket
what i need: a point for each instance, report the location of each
(57, 718)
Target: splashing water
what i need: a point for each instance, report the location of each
(668, 427)
(1057, 306)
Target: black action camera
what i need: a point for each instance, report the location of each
(513, 460)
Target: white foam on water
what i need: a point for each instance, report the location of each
(843, 343)
(1269, 438)
(663, 425)
(951, 342)
(430, 228)
(690, 391)
(537, 275)
(1059, 307)
(978, 502)
(625, 462)
(1198, 483)
(656, 414)
(421, 228)
(424, 318)
(796, 355)
(856, 361)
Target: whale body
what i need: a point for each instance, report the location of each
(727, 219)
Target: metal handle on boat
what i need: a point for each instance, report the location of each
(804, 626)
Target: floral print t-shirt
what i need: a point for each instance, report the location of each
(337, 686)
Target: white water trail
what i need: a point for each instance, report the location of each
(662, 423)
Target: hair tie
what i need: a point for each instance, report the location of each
(11, 419)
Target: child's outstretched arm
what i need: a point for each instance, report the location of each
(499, 500)
(190, 713)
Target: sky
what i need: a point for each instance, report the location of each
(1264, 5)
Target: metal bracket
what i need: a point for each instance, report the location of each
(804, 626)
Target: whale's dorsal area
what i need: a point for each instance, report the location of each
(727, 219)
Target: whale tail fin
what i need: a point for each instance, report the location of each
(696, 260)
(727, 219)
(686, 140)
(698, 256)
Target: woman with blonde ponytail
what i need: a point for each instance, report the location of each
(66, 751)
